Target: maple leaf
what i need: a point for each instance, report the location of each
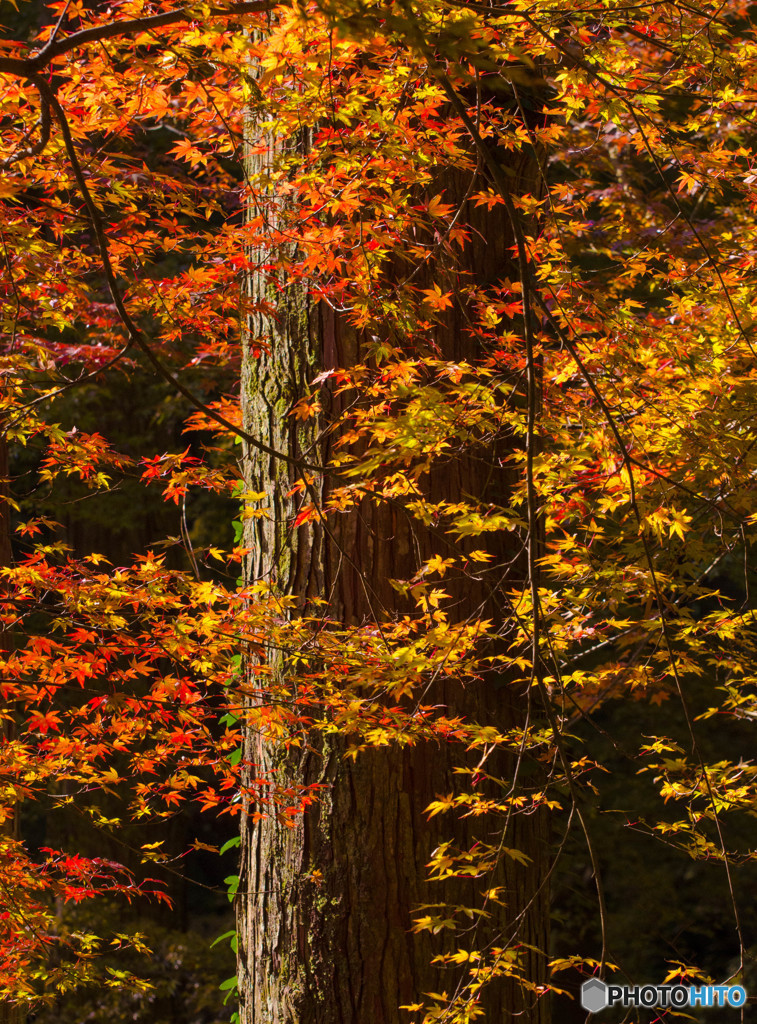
(437, 299)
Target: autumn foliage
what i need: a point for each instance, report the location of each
(614, 376)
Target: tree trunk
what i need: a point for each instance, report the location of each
(326, 907)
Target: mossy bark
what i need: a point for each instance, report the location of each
(326, 907)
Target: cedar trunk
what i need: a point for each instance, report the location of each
(337, 947)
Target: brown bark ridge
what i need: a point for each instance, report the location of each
(325, 908)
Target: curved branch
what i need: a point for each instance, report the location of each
(40, 144)
(134, 334)
(56, 47)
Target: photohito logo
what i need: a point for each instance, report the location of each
(596, 995)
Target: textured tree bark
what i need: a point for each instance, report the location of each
(337, 947)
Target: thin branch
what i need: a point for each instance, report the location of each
(134, 333)
(40, 144)
(31, 66)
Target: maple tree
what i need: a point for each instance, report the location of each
(494, 471)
